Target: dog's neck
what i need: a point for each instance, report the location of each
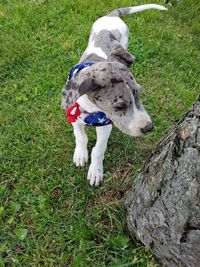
(92, 57)
(87, 105)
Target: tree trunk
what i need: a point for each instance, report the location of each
(163, 206)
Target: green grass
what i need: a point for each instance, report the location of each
(40, 41)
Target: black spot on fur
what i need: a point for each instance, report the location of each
(137, 99)
(114, 80)
(71, 85)
(89, 85)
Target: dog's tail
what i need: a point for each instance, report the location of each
(128, 10)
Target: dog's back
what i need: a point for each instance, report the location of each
(109, 28)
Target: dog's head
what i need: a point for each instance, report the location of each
(111, 87)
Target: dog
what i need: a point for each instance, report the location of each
(100, 88)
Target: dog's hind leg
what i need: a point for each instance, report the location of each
(95, 173)
(81, 152)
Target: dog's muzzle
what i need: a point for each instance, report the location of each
(147, 128)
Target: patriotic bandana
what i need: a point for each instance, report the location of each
(76, 114)
(75, 69)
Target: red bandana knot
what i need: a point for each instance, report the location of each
(73, 113)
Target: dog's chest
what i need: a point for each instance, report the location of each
(87, 105)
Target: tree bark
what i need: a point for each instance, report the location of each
(163, 206)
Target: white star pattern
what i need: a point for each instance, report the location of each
(101, 120)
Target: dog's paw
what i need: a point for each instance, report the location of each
(80, 156)
(95, 174)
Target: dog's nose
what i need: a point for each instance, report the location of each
(147, 128)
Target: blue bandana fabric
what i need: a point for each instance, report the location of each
(75, 69)
(97, 119)
(94, 119)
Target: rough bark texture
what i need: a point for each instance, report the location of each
(163, 206)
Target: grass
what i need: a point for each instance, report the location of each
(49, 216)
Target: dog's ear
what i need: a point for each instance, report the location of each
(88, 85)
(70, 94)
(119, 54)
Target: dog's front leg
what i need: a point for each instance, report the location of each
(95, 173)
(81, 152)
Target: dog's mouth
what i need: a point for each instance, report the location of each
(134, 132)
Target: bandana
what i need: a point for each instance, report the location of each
(75, 69)
(76, 114)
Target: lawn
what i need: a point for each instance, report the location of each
(49, 215)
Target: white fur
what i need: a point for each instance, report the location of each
(145, 7)
(110, 24)
(114, 23)
(96, 50)
(140, 120)
(95, 173)
(81, 152)
(86, 104)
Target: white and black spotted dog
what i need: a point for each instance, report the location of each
(101, 91)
